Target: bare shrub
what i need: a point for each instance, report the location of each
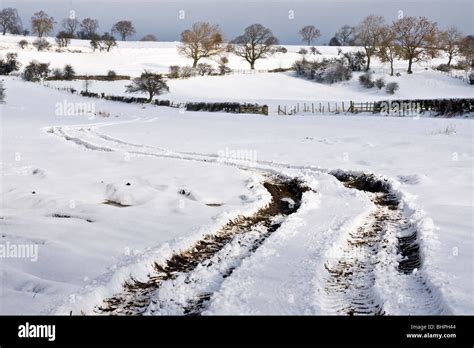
(392, 87)
(366, 80)
(380, 83)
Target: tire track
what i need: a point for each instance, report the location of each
(351, 285)
(187, 275)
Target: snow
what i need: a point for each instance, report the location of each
(361, 143)
(266, 88)
(58, 170)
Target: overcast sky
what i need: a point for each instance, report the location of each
(284, 17)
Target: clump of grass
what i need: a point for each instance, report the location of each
(448, 130)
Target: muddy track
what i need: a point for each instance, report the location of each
(182, 287)
(350, 286)
(389, 213)
(246, 232)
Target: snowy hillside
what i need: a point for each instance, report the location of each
(286, 88)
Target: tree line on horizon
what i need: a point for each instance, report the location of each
(409, 38)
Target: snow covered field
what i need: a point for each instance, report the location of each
(106, 194)
(285, 88)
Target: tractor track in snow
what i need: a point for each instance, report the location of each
(184, 284)
(351, 285)
(178, 287)
(191, 276)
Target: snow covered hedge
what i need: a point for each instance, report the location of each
(228, 107)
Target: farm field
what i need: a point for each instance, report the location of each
(154, 210)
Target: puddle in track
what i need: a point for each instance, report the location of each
(116, 204)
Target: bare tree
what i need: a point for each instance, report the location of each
(9, 20)
(124, 29)
(367, 35)
(223, 68)
(70, 25)
(388, 49)
(150, 83)
(63, 39)
(89, 27)
(345, 35)
(42, 23)
(108, 41)
(95, 42)
(309, 33)
(256, 43)
(449, 42)
(414, 35)
(203, 40)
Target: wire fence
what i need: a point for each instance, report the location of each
(456, 74)
(247, 71)
(414, 107)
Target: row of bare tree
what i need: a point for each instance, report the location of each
(42, 24)
(408, 38)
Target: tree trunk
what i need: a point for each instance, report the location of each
(252, 65)
(410, 61)
(195, 62)
(391, 68)
(150, 98)
(450, 58)
(368, 63)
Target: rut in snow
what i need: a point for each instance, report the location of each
(350, 286)
(214, 257)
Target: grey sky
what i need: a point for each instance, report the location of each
(161, 17)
